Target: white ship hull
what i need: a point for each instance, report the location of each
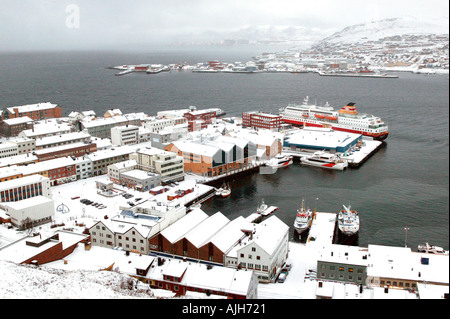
(348, 222)
(324, 160)
(346, 119)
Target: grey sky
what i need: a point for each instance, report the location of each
(71, 24)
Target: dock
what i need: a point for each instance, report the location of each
(361, 75)
(322, 229)
(355, 159)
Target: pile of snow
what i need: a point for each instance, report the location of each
(26, 281)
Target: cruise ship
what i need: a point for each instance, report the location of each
(347, 119)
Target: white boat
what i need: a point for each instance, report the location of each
(347, 119)
(219, 191)
(226, 191)
(348, 221)
(265, 210)
(431, 249)
(325, 160)
(303, 219)
(280, 161)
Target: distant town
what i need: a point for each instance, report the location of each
(123, 193)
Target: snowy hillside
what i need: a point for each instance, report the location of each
(25, 281)
(376, 30)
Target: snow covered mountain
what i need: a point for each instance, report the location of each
(375, 30)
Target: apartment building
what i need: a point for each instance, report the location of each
(167, 164)
(125, 135)
(12, 127)
(102, 159)
(37, 111)
(131, 229)
(261, 120)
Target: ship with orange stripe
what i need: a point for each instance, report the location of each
(347, 119)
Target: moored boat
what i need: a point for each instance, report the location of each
(226, 191)
(325, 160)
(280, 161)
(431, 249)
(348, 221)
(265, 210)
(303, 219)
(347, 119)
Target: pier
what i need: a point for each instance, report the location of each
(254, 167)
(354, 160)
(322, 229)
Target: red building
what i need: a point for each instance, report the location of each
(75, 149)
(37, 111)
(261, 120)
(199, 119)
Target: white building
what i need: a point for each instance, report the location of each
(159, 124)
(131, 229)
(29, 212)
(25, 187)
(166, 164)
(125, 135)
(265, 251)
(8, 149)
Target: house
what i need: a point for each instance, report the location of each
(39, 250)
(132, 228)
(264, 251)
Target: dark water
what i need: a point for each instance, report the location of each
(405, 184)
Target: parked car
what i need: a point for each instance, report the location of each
(282, 277)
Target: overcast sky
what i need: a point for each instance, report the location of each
(82, 24)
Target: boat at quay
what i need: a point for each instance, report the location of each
(347, 119)
(348, 221)
(325, 160)
(303, 219)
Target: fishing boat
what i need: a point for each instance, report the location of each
(219, 191)
(226, 191)
(325, 160)
(348, 221)
(303, 219)
(431, 249)
(265, 210)
(347, 119)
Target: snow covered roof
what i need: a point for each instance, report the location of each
(22, 181)
(18, 120)
(177, 230)
(65, 137)
(401, 262)
(196, 148)
(206, 229)
(230, 234)
(267, 235)
(32, 107)
(28, 202)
